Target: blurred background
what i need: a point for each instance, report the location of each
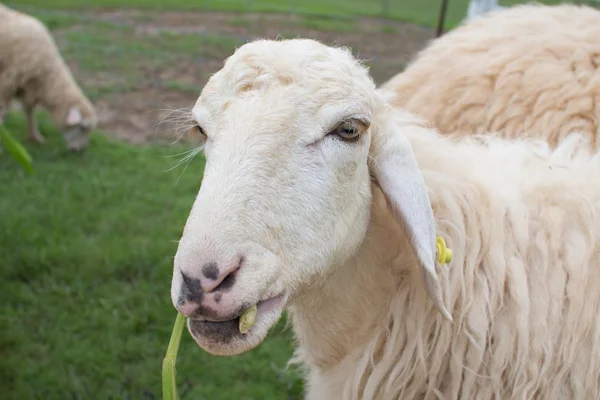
(87, 241)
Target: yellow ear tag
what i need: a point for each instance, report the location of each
(444, 253)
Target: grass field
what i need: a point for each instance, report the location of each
(421, 11)
(416, 11)
(87, 247)
(86, 243)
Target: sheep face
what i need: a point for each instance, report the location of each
(77, 128)
(286, 192)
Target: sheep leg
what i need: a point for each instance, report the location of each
(34, 133)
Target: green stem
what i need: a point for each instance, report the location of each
(169, 372)
(16, 149)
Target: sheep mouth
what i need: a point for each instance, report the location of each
(224, 337)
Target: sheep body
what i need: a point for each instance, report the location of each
(522, 221)
(33, 71)
(524, 70)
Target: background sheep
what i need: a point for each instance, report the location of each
(288, 216)
(32, 70)
(528, 69)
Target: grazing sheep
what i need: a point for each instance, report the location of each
(320, 197)
(526, 70)
(33, 71)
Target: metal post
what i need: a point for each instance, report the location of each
(440, 27)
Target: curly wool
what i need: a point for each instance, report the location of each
(529, 70)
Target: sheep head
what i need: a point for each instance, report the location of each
(293, 132)
(78, 126)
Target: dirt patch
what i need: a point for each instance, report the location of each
(170, 56)
(143, 115)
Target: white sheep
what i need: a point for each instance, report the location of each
(33, 71)
(320, 197)
(525, 70)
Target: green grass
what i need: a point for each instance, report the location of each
(240, 22)
(326, 23)
(423, 12)
(87, 247)
(58, 21)
(113, 58)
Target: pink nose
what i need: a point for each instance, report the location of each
(199, 297)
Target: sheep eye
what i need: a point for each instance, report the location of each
(347, 131)
(197, 130)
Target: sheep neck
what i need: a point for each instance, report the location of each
(341, 313)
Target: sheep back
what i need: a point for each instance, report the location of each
(529, 70)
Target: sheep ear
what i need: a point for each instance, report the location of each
(74, 117)
(395, 169)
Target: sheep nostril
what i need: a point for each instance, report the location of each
(226, 283)
(219, 277)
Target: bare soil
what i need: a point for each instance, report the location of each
(134, 109)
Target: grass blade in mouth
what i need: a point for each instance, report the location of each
(169, 373)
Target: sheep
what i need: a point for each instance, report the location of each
(529, 70)
(33, 71)
(321, 198)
